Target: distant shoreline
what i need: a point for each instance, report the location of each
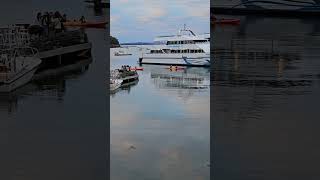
(139, 43)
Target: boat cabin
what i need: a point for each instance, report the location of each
(174, 51)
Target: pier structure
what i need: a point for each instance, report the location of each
(62, 49)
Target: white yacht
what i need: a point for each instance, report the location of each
(17, 67)
(186, 48)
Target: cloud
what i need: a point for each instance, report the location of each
(144, 19)
(151, 14)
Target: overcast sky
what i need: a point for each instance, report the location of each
(142, 20)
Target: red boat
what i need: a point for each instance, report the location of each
(86, 24)
(226, 21)
(136, 69)
(174, 68)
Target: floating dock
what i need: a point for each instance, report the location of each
(62, 49)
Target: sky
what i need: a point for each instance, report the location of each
(142, 20)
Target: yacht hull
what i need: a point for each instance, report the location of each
(200, 59)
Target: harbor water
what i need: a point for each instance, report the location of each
(160, 125)
(265, 99)
(55, 127)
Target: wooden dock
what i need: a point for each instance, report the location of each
(65, 50)
(62, 49)
(80, 65)
(61, 44)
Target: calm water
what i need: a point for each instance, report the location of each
(266, 92)
(160, 126)
(55, 127)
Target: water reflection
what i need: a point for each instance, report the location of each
(57, 128)
(160, 129)
(265, 87)
(49, 84)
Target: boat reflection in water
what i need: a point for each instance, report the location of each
(265, 101)
(163, 120)
(49, 84)
(190, 78)
(183, 82)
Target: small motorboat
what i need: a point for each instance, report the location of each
(226, 21)
(88, 24)
(115, 84)
(124, 74)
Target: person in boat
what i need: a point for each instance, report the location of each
(46, 20)
(82, 19)
(38, 19)
(213, 17)
(57, 24)
(63, 20)
(36, 28)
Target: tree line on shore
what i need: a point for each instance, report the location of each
(114, 42)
